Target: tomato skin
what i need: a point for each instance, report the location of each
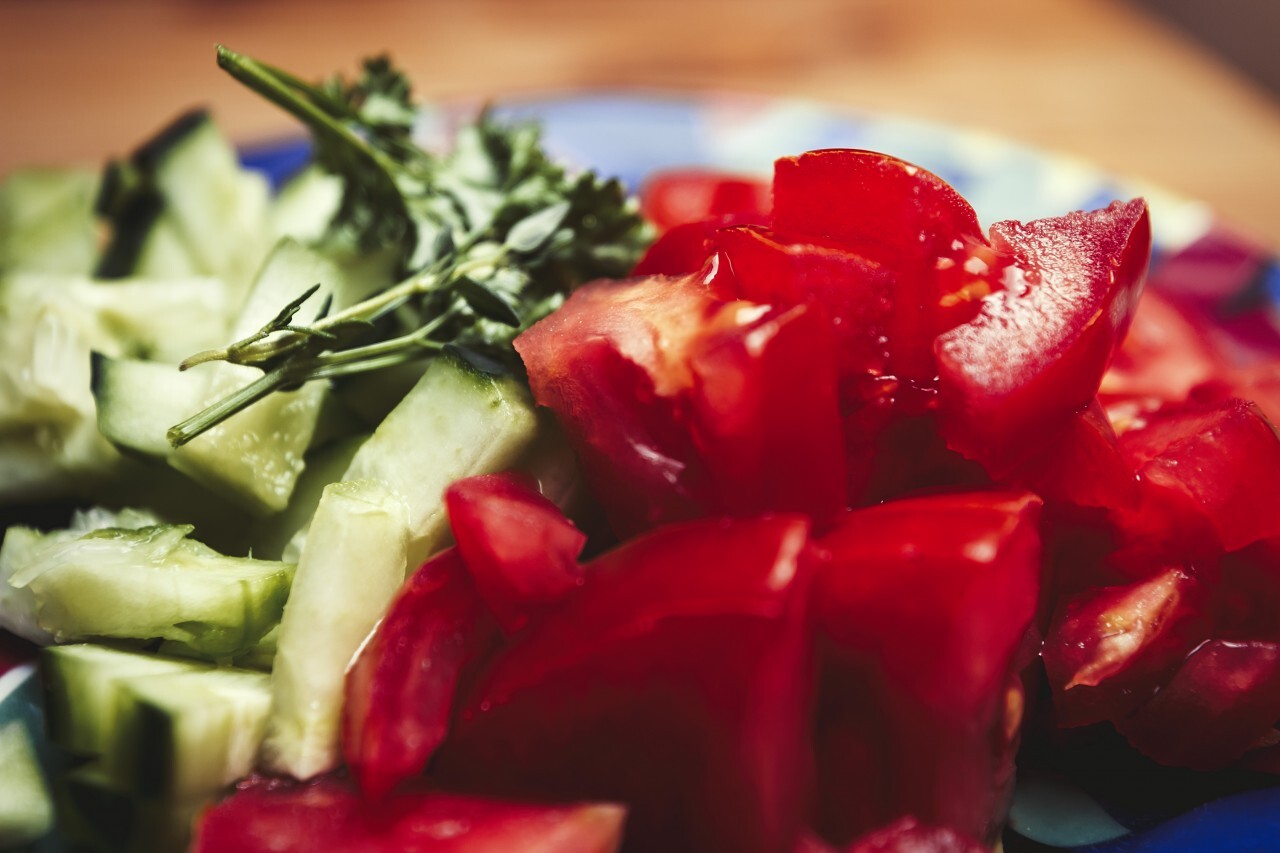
(675, 197)
(329, 815)
(519, 548)
(1214, 468)
(400, 689)
(1227, 692)
(925, 618)
(895, 213)
(678, 678)
(859, 198)
(682, 405)
(686, 248)
(1038, 349)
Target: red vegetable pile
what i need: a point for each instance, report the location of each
(858, 481)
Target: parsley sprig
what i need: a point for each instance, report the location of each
(489, 237)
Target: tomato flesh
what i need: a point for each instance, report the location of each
(682, 405)
(924, 612)
(1111, 648)
(400, 688)
(520, 550)
(1038, 348)
(676, 680)
(329, 816)
(677, 197)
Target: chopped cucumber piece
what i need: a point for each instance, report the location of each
(152, 582)
(168, 733)
(271, 535)
(47, 222)
(350, 569)
(455, 422)
(182, 204)
(96, 813)
(26, 807)
(23, 546)
(188, 734)
(305, 205)
(138, 401)
(82, 686)
(51, 446)
(256, 455)
(219, 208)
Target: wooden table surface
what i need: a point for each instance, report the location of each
(82, 79)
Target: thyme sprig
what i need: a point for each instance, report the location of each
(488, 238)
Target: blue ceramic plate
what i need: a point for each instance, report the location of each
(1089, 792)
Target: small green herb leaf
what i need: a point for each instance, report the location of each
(478, 360)
(530, 233)
(486, 302)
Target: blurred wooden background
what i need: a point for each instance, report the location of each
(1100, 79)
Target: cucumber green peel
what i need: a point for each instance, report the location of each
(491, 237)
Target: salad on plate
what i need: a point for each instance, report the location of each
(460, 500)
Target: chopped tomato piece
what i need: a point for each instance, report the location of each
(682, 405)
(400, 688)
(898, 215)
(1037, 350)
(676, 680)
(1110, 649)
(1084, 466)
(1163, 356)
(925, 613)
(518, 546)
(677, 196)
(1223, 700)
(1214, 467)
(686, 248)
(867, 199)
(329, 816)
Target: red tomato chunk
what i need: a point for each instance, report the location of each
(856, 457)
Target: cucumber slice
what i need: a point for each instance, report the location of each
(97, 814)
(453, 423)
(305, 205)
(26, 806)
(82, 685)
(49, 324)
(47, 222)
(168, 734)
(182, 204)
(324, 466)
(138, 401)
(184, 735)
(23, 546)
(350, 569)
(219, 209)
(152, 582)
(256, 455)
